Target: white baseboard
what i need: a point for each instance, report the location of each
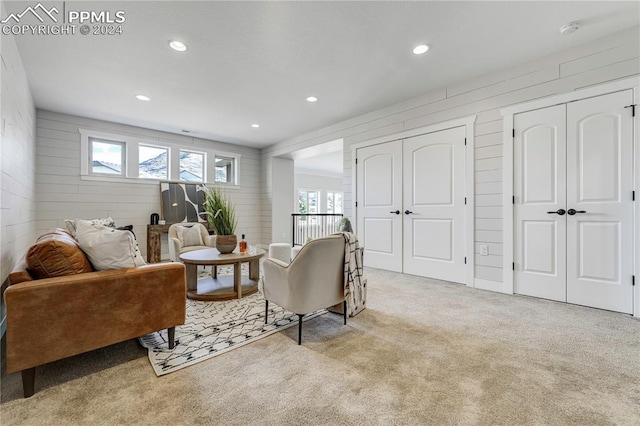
(488, 285)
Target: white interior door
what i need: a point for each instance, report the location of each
(540, 203)
(379, 198)
(599, 189)
(434, 209)
(575, 160)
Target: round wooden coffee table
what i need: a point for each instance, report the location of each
(224, 287)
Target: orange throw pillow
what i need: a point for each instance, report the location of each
(56, 254)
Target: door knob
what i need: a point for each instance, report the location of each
(560, 212)
(408, 212)
(396, 212)
(571, 212)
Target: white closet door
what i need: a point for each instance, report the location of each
(599, 188)
(539, 211)
(434, 171)
(379, 197)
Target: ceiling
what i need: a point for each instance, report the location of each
(256, 62)
(328, 164)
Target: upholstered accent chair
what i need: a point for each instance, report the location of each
(188, 236)
(313, 280)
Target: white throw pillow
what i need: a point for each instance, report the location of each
(190, 236)
(108, 248)
(72, 224)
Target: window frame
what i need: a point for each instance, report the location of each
(204, 165)
(234, 169)
(333, 194)
(168, 149)
(318, 199)
(130, 172)
(123, 157)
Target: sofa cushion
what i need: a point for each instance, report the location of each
(190, 236)
(72, 224)
(56, 254)
(108, 248)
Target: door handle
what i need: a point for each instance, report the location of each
(408, 212)
(396, 212)
(571, 212)
(560, 212)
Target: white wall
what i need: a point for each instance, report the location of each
(282, 203)
(610, 58)
(17, 152)
(307, 180)
(62, 194)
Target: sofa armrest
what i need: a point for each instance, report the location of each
(19, 277)
(276, 280)
(54, 318)
(210, 241)
(174, 249)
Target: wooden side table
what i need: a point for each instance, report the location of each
(154, 246)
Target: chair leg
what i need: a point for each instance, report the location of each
(344, 310)
(171, 336)
(28, 381)
(266, 310)
(300, 328)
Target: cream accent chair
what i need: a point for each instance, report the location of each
(313, 280)
(176, 246)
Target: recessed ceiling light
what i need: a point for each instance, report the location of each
(255, 126)
(178, 45)
(312, 99)
(419, 50)
(143, 98)
(569, 28)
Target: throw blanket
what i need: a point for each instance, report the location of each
(354, 280)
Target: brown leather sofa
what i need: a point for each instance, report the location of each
(59, 307)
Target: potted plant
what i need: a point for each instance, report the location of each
(221, 215)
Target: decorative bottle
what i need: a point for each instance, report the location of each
(243, 245)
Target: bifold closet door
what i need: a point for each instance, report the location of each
(599, 190)
(379, 198)
(434, 210)
(540, 203)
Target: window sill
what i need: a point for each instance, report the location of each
(141, 181)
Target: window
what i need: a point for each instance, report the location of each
(225, 169)
(106, 157)
(153, 162)
(334, 202)
(125, 158)
(308, 202)
(192, 166)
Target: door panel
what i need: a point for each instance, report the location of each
(600, 183)
(539, 188)
(379, 192)
(440, 230)
(598, 166)
(433, 163)
(434, 194)
(539, 250)
(601, 263)
(379, 233)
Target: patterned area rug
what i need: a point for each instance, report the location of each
(213, 328)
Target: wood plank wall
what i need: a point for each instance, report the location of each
(62, 194)
(614, 57)
(17, 154)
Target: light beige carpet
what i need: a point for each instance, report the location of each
(424, 352)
